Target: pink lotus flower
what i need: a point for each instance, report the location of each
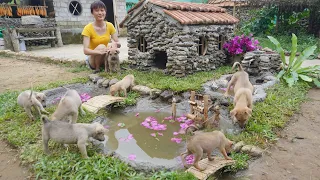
(189, 122)
(132, 157)
(153, 134)
(184, 126)
(137, 115)
(177, 140)
(181, 119)
(130, 137)
(175, 133)
(168, 118)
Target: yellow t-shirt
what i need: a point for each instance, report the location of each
(96, 39)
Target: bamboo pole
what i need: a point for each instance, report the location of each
(206, 107)
(192, 98)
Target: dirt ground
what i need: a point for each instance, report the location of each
(16, 75)
(296, 156)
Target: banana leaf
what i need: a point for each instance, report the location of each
(304, 55)
(293, 49)
(279, 48)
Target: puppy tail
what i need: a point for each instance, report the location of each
(31, 94)
(44, 119)
(239, 66)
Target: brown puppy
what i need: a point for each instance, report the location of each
(111, 61)
(123, 85)
(243, 90)
(206, 142)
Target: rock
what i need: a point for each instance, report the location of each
(178, 99)
(113, 81)
(318, 56)
(31, 20)
(93, 76)
(144, 90)
(100, 81)
(96, 79)
(166, 95)
(214, 86)
(155, 93)
(105, 83)
(246, 149)
(237, 147)
(256, 152)
(267, 49)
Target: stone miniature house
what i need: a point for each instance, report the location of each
(181, 38)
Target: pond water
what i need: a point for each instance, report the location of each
(137, 140)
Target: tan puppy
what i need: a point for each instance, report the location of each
(123, 85)
(28, 99)
(243, 90)
(68, 107)
(206, 142)
(111, 61)
(63, 132)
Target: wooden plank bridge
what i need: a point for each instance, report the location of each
(212, 167)
(98, 102)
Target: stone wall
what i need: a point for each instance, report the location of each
(180, 43)
(258, 63)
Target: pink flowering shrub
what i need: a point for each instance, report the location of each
(241, 44)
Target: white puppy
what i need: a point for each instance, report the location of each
(68, 107)
(28, 99)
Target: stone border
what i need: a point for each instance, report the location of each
(32, 57)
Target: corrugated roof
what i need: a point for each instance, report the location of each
(190, 13)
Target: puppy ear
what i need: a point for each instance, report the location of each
(233, 112)
(248, 111)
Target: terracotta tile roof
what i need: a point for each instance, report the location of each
(191, 17)
(190, 13)
(184, 6)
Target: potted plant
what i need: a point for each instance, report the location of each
(239, 45)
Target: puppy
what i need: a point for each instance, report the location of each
(243, 90)
(123, 85)
(63, 132)
(206, 142)
(68, 107)
(111, 61)
(29, 98)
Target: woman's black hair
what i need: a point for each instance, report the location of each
(96, 5)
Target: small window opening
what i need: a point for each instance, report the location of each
(142, 44)
(221, 41)
(203, 46)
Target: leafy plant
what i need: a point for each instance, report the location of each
(241, 44)
(293, 71)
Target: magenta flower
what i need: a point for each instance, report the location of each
(160, 134)
(158, 110)
(130, 137)
(190, 159)
(168, 118)
(241, 44)
(184, 126)
(132, 157)
(177, 140)
(153, 134)
(85, 97)
(175, 133)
